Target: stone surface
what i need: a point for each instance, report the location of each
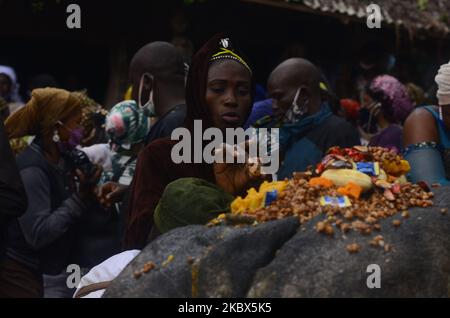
(279, 259)
(225, 260)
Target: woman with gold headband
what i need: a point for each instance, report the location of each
(39, 242)
(427, 136)
(219, 93)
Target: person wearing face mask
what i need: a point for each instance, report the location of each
(40, 241)
(307, 126)
(386, 106)
(427, 136)
(127, 126)
(157, 73)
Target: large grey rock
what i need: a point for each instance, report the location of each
(226, 259)
(278, 259)
(312, 265)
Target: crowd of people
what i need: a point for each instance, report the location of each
(87, 185)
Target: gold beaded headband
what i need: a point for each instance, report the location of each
(226, 53)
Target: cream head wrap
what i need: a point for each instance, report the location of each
(443, 81)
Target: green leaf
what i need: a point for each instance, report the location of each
(422, 5)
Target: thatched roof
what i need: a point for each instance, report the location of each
(417, 16)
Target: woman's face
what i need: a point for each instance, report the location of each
(372, 105)
(367, 101)
(72, 123)
(228, 94)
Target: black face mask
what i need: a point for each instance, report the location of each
(368, 124)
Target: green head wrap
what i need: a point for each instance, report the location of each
(190, 201)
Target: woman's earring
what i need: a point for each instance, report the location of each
(56, 138)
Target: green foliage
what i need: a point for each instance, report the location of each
(422, 5)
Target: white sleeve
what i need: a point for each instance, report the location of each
(106, 272)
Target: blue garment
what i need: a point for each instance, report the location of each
(302, 154)
(305, 142)
(289, 133)
(444, 134)
(260, 109)
(426, 159)
(260, 93)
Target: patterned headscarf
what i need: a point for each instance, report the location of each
(126, 124)
(392, 95)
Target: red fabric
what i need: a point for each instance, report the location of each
(351, 108)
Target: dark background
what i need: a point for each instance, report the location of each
(34, 39)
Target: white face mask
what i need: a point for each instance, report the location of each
(186, 72)
(296, 112)
(149, 106)
(374, 111)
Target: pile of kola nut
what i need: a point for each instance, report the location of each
(355, 188)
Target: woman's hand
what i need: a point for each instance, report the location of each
(236, 178)
(87, 184)
(110, 193)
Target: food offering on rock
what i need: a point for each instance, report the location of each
(151, 266)
(267, 194)
(148, 267)
(342, 177)
(354, 188)
(353, 248)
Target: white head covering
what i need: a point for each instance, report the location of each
(100, 154)
(443, 81)
(9, 71)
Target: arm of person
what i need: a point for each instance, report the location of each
(13, 200)
(110, 193)
(420, 140)
(40, 225)
(146, 190)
